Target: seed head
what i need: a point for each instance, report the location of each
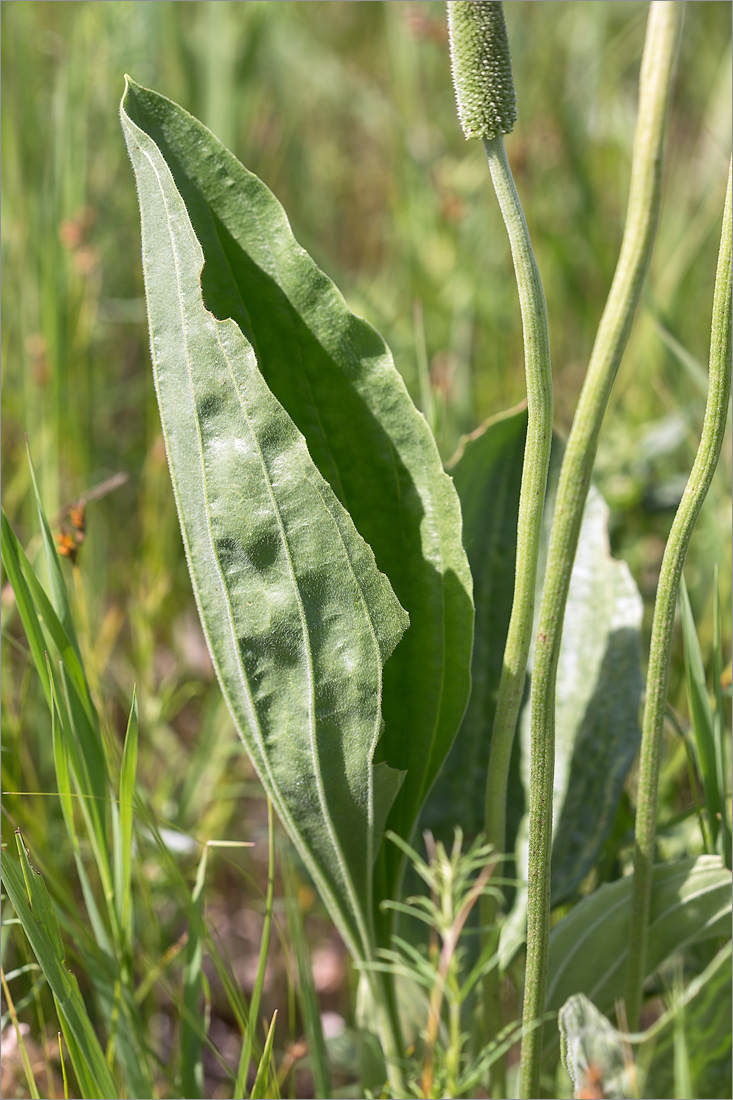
(482, 68)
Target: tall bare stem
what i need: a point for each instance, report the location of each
(657, 70)
(711, 440)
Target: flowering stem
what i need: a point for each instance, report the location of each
(657, 69)
(529, 530)
(711, 440)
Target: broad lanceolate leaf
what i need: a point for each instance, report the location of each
(335, 377)
(298, 618)
(691, 901)
(599, 678)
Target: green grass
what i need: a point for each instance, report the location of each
(346, 111)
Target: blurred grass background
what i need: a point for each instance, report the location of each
(346, 111)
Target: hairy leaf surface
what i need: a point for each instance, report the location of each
(298, 618)
(335, 377)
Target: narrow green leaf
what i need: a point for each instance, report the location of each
(32, 903)
(298, 619)
(192, 1069)
(13, 1011)
(701, 714)
(61, 763)
(335, 377)
(719, 726)
(599, 672)
(254, 1003)
(307, 997)
(90, 772)
(263, 1070)
(128, 771)
(691, 901)
(76, 739)
(84, 1073)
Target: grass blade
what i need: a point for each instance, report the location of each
(307, 996)
(701, 715)
(721, 766)
(30, 1079)
(32, 903)
(127, 793)
(192, 1070)
(259, 1088)
(50, 620)
(254, 1007)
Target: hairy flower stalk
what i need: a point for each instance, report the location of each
(482, 75)
(655, 85)
(706, 460)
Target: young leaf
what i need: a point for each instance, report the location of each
(335, 377)
(298, 618)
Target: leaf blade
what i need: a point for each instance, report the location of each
(690, 902)
(335, 377)
(298, 619)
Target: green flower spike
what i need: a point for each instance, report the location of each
(482, 68)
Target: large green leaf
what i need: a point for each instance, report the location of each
(335, 377)
(691, 901)
(298, 618)
(599, 677)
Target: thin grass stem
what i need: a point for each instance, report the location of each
(706, 460)
(657, 70)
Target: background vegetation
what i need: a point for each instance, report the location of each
(346, 111)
